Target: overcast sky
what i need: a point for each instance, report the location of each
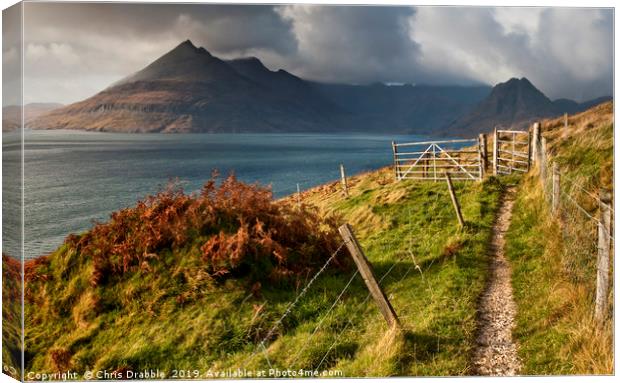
(74, 50)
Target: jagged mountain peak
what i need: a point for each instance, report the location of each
(516, 98)
(185, 62)
(522, 85)
(513, 103)
(188, 48)
(187, 43)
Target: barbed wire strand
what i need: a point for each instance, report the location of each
(292, 304)
(584, 211)
(589, 193)
(266, 354)
(316, 329)
(350, 322)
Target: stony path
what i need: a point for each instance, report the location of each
(496, 353)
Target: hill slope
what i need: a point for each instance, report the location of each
(182, 282)
(554, 256)
(89, 308)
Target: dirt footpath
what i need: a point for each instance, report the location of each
(496, 353)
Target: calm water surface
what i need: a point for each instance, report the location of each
(73, 178)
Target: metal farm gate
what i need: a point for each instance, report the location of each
(511, 151)
(430, 160)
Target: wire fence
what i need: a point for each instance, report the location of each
(586, 224)
(324, 343)
(289, 309)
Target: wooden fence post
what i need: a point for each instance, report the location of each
(513, 149)
(602, 264)
(495, 144)
(535, 143)
(555, 201)
(529, 149)
(394, 154)
(365, 269)
(543, 159)
(484, 158)
(565, 120)
(455, 202)
(343, 179)
(434, 164)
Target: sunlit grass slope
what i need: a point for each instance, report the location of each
(554, 257)
(438, 271)
(173, 308)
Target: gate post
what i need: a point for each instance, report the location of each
(396, 170)
(482, 150)
(434, 164)
(495, 143)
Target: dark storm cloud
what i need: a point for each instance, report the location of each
(566, 52)
(353, 44)
(223, 27)
(74, 50)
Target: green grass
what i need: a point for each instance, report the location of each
(177, 317)
(11, 317)
(436, 305)
(539, 335)
(139, 322)
(554, 257)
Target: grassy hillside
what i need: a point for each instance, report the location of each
(554, 257)
(185, 299)
(414, 223)
(196, 282)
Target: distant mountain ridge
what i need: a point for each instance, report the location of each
(190, 90)
(12, 114)
(514, 104)
(407, 109)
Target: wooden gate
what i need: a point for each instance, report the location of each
(511, 151)
(431, 159)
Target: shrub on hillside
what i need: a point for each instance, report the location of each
(11, 279)
(239, 229)
(11, 315)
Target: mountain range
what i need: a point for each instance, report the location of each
(190, 90)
